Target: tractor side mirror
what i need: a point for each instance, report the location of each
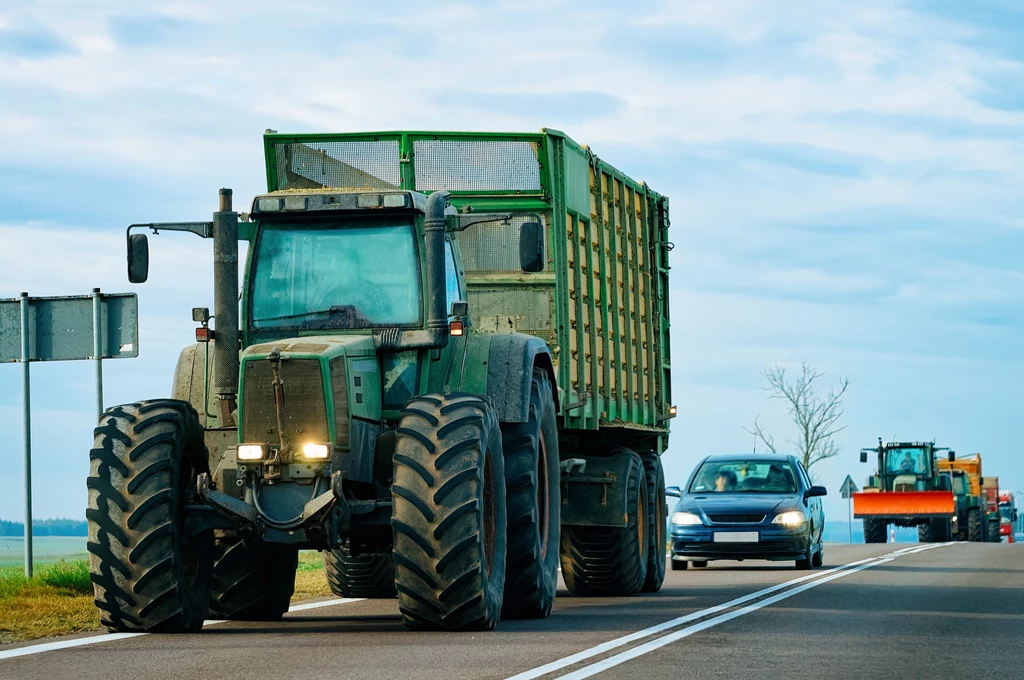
(951, 456)
(863, 456)
(531, 247)
(673, 492)
(138, 258)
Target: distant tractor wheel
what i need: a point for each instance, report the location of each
(610, 561)
(147, 574)
(368, 576)
(679, 565)
(874, 531)
(974, 526)
(993, 532)
(252, 581)
(449, 514)
(700, 564)
(532, 488)
(925, 533)
(657, 512)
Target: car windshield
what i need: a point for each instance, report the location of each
(335, 275)
(744, 476)
(906, 461)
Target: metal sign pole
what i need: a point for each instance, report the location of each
(849, 515)
(26, 395)
(97, 350)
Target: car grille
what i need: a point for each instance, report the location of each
(736, 518)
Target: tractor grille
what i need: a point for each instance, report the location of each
(304, 415)
(737, 519)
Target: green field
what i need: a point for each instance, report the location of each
(45, 549)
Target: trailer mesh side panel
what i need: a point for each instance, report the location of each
(494, 246)
(466, 165)
(339, 165)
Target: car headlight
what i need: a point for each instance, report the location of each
(251, 452)
(793, 518)
(316, 451)
(685, 519)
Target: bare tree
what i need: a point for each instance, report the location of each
(816, 417)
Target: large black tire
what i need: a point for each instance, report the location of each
(874, 531)
(993, 532)
(610, 561)
(819, 557)
(974, 526)
(449, 514)
(534, 506)
(252, 581)
(657, 513)
(679, 565)
(367, 576)
(925, 533)
(807, 561)
(146, 575)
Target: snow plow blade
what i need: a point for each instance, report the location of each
(904, 504)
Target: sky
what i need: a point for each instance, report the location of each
(846, 182)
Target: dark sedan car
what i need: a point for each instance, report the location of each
(748, 507)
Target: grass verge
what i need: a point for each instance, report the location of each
(58, 598)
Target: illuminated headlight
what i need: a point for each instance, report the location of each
(395, 200)
(251, 452)
(316, 451)
(793, 518)
(295, 203)
(268, 204)
(685, 519)
(368, 201)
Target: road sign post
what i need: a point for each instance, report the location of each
(67, 328)
(847, 490)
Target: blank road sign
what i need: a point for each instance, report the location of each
(60, 328)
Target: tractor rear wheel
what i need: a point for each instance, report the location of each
(925, 533)
(367, 576)
(874, 531)
(993, 532)
(147, 574)
(532, 488)
(252, 581)
(610, 560)
(449, 514)
(974, 526)
(657, 511)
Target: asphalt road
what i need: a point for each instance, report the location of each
(882, 611)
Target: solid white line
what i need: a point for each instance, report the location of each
(661, 627)
(114, 637)
(653, 645)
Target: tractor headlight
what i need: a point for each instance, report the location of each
(316, 451)
(251, 452)
(793, 518)
(685, 519)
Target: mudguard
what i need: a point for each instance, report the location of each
(510, 363)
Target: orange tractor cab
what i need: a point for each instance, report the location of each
(906, 490)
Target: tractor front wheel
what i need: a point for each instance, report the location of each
(874, 531)
(974, 526)
(369, 576)
(252, 581)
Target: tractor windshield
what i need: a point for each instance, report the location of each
(1006, 512)
(906, 461)
(335, 276)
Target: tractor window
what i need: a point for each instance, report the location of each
(906, 461)
(451, 277)
(959, 485)
(332, 276)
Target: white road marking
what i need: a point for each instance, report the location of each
(640, 650)
(114, 637)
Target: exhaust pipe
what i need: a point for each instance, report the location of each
(225, 308)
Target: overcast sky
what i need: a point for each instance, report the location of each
(847, 184)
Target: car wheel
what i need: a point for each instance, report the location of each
(805, 561)
(679, 565)
(700, 564)
(819, 557)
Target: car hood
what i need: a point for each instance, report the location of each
(741, 502)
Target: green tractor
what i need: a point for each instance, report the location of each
(448, 373)
(966, 505)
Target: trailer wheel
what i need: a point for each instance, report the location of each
(532, 488)
(974, 526)
(252, 581)
(368, 576)
(657, 511)
(147, 575)
(449, 514)
(610, 560)
(874, 531)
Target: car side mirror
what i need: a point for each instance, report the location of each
(863, 456)
(531, 247)
(816, 491)
(138, 258)
(673, 492)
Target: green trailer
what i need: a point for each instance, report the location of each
(449, 372)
